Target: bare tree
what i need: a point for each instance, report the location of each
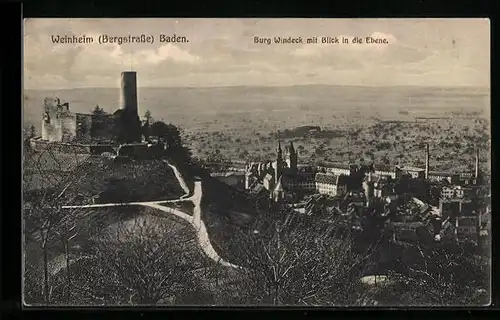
(296, 261)
(145, 261)
(440, 276)
(47, 177)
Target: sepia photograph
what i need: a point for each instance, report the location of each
(256, 162)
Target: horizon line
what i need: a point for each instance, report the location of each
(275, 86)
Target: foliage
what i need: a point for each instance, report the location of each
(171, 135)
(440, 276)
(45, 221)
(167, 132)
(144, 261)
(148, 116)
(291, 261)
(136, 181)
(98, 111)
(100, 124)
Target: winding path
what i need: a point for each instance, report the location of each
(195, 220)
(181, 180)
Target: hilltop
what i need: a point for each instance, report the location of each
(104, 180)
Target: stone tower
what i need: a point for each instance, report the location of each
(58, 123)
(128, 92)
(127, 116)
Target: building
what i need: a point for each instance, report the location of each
(235, 179)
(336, 179)
(467, 178)
(456, 207)
(278, 193)
(467, 228)
(414, 172)
(457, 192)
(383, 171)
(438, 176)
(331, 185)
(302, 182)
(457, 200)
(283, 179)
(383, 186)
(336, 168)
(60, 124)
(268, 181)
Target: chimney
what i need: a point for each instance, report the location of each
(476, 172)
(426, 161)
(128, 92)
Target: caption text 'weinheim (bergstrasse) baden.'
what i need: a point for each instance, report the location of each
(110, 39)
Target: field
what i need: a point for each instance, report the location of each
(376, 122)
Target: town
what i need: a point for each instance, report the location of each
(450, 205)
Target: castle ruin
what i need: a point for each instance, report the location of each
(60, 124)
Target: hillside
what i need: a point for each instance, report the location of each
(229, 216)
(105, 180)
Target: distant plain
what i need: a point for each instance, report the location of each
(229, 118)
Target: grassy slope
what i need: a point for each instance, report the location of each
(227, 214)
(145, 180)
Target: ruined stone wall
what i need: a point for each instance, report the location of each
(83, 126)
(68, 126)
(58, 123)
(51, 128)
(41, 145)
(103, 127)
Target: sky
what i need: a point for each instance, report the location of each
(222, 52)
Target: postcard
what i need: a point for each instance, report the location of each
(256, 162)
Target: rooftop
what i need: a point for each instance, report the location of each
(325, 178)
(258, 187)
(382, 167)
(409, 168)
(330, 178)
(226, 174)
(300, 177)
(466, 174)
(333, 165)
(441, 173)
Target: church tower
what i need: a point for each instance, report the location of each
(292, 158)
(279, 162)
